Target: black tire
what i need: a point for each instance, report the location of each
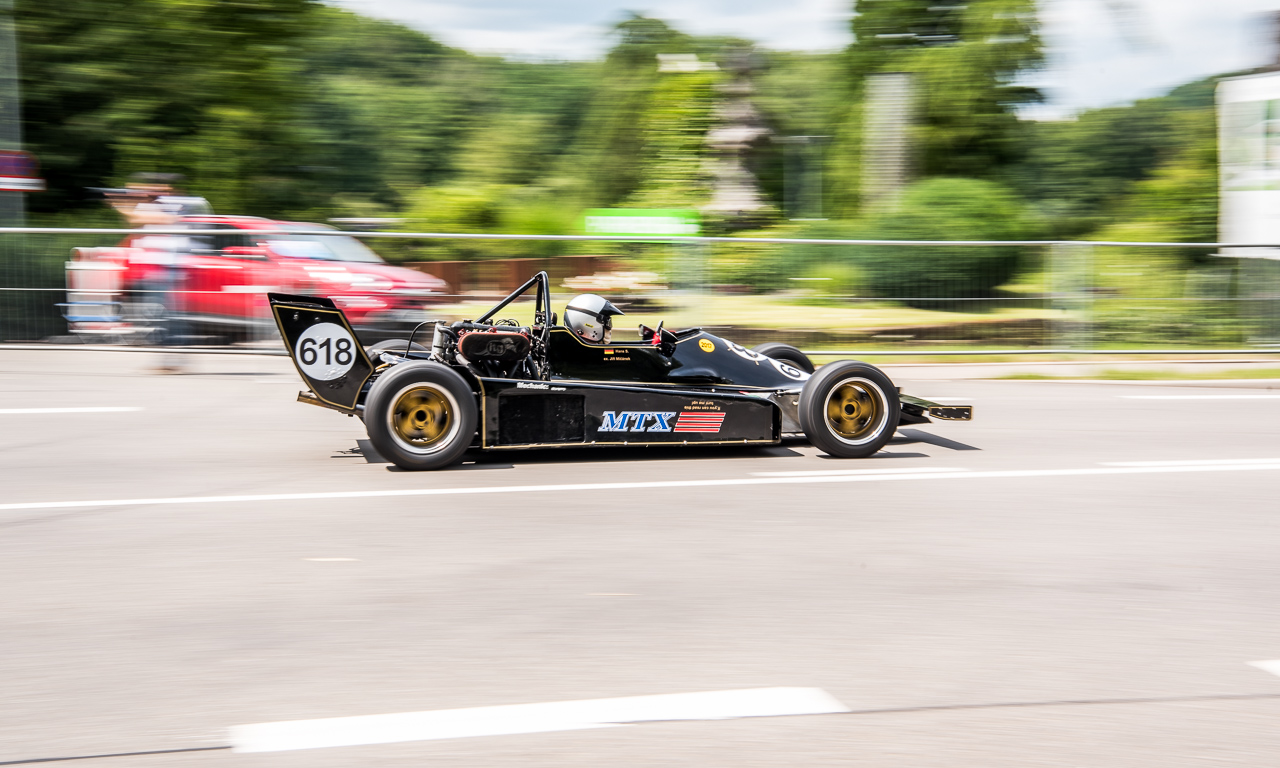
(421, 415)
(787, 354)
(864, 396)
(393, 345)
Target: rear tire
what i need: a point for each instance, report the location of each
(787, 354)
(849, 409)
(421, 415)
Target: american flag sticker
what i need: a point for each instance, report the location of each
(699, 421)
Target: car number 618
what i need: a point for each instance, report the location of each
(325, 351)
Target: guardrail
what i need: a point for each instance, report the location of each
(691, 239)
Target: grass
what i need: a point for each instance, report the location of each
(781, 312)
(1149, 375)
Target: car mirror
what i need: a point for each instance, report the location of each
(667, 344)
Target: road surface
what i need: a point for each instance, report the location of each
(1080, 577)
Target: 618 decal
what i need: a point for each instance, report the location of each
(325, 351)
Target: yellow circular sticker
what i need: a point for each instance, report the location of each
(707, 346)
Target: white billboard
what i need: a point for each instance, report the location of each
(1249, 163)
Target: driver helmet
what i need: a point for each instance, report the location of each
(588, 316)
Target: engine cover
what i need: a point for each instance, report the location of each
(497, 346)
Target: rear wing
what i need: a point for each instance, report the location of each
(323, 347)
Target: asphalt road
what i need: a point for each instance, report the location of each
(1040, 587)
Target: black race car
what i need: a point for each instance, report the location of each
(496, 385)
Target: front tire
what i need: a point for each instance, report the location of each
(421, 415)
(787, 354)
(849, 409)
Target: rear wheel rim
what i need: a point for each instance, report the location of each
(423, 418)
(856, 410)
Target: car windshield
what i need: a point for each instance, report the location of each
(321, 247)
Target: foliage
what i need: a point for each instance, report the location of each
(394, 110)
(478, 208)
(935, 209)
(612, 137)
(277, 107)
(799, 94)
(203, 87)
(967, 59)
(1162, 151)
(673, 139)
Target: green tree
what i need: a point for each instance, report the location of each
(967, 59)
(611, 137)
(200, 87)
(1155, 159)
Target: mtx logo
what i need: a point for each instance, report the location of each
(636, 421)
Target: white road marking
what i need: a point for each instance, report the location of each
(1272, 666)
(531, 718)
(1188, 462)
(105, 409)
(331, 559)
(1199, 397)
(880, 476)
(844, 472)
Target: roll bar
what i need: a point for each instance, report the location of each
(541, 309)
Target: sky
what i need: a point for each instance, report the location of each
(1101, 52)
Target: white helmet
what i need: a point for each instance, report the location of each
(588, 316)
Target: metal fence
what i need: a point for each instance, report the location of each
(863, 296)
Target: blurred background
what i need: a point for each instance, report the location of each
(993, 120)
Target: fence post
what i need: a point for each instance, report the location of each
(1071, 289)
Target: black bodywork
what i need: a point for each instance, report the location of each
(541, 386)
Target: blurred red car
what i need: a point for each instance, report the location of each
(217, 284)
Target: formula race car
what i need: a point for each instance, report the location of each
(496, 385)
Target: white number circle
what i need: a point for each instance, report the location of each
(742, 351)
(325, 351)
(790, 371)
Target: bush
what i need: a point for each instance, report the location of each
(487, 208)
(935, 209)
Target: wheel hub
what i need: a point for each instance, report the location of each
(854, 410)
(421, 416)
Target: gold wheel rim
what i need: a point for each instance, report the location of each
(422, 417)
(855, 409)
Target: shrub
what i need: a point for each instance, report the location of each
(935, 209)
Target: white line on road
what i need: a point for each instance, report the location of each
(579, 487)
(1266, 666)
(846, 472)
(531, 718)
(1188, 462)
(1199, 397)
(105, 409)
